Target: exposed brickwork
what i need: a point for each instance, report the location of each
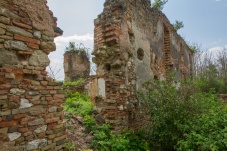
(76, 65)
(133, 43)
(31, 115)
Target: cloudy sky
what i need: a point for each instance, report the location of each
(205, 22)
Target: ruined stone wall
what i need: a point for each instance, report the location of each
(76, 65)
(31, 115)
(133, 43)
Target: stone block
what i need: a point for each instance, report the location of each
(39, 58)
(13, 105)
(41, 129)
(10, 76)
(36, 110)
(33, 93)
(53, 109)
(49, 46)
(12, 129)
(36, 144)
(24, 103)
(19, 111)
(17, 91)
(36, 122)
(20, 31)
(5, 113)
(2, 25)
(2, 31)
(5, 20)
(14, 136)
(48, 147)
(37, 34)
(16, 45)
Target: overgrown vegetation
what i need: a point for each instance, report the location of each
(178, 25)
(159, 4)
(183, 117)
(79, 48)
(211, 70)
(103, 139)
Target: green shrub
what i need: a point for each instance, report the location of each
(208, 132)
(103, 139)
(174, 109)
(78, 104)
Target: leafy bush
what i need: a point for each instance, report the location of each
(208, 132)
(177, 111)
(103, 139)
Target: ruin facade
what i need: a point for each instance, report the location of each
(133, 43)
(31, 115)
(76, 65)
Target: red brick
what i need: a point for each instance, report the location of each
(52, 120)
(59, 96)
(3, 91)
(28, 133)
(17, 71)
(19, 116)
(36, 102)
(23, 129)
(57, 87)
(41, 88)
(33, 46)
(14, 98)
(44, 73)
(51, 136)
(26, 21)
(7, 70)
(21, 25)
(44, 83)
(26, 39)
(5, 86)
(50, 87)
(8, 124)
(55, 102)
(41, 135)
(23, 14)
(53, 92)
(49, 98)
(52, 126)
(24, 122)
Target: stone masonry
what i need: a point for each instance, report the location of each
(31, 115)
(133, 43)
(76, 65)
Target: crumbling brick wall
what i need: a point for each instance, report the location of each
(133, 43)
(76, 65)
(31, 115)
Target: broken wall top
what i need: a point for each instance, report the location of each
(140, 11)
(27, 31)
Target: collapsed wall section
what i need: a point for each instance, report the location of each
(76, 65)
(133, 43)
(31, 115)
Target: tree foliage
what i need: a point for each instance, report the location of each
(180, 111)
(178, 25)
(159, 4)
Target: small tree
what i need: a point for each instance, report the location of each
(159, 4)
(178, 25)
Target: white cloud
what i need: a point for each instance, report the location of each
(62, 40)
